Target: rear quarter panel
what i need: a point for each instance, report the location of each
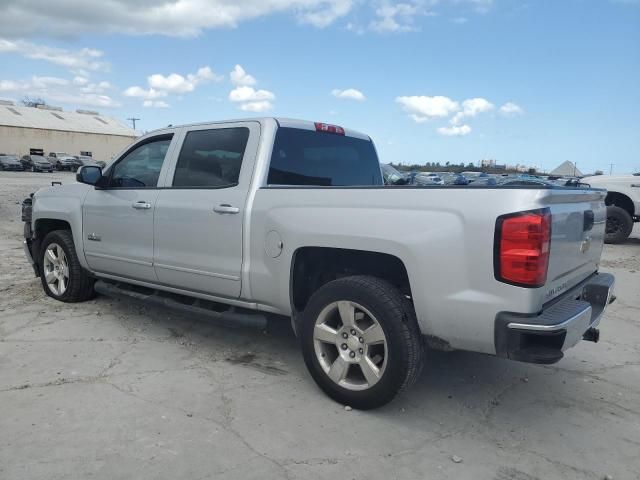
(444, 237)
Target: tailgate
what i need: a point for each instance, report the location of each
(578, 219)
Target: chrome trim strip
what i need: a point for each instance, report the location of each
(197, 272)
(119, 259)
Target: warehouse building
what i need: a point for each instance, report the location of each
(44, 129)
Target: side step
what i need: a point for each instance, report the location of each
(221, 314)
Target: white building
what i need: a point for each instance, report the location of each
(25, 130)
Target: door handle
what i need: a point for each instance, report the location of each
(141, 205)
(225, 208)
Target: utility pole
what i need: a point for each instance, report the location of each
(133, 120)
(611, 168)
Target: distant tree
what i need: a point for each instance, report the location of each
(598, 172)
(32, 101)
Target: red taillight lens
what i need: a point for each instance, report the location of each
(522, 248)
(325, 127)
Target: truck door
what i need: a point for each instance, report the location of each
(200, 211)
(117, 219)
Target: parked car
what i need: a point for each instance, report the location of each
(427, 179)
(36, 163)
(10, 162)
(623, 203)
(287, 218)
(64, 161)
(453, 179)
(83, 160)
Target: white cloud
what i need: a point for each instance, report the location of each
(164, 17)
(161, 86)
(471, 108)
(239, 76)
(176, 83)
(61, 90)
(423, 108)
(511, 109)
(249, 94)
(349, 94)
(83, 59)
(397, 17)
(261, 106)
(140, 92)
(80, 80)
(455, 131)
(155, 104)
(248, 98)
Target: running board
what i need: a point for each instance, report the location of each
(220, 313)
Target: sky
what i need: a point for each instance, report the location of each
(532, 82)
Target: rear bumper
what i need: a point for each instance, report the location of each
(543, 337)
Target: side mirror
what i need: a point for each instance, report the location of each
(89, 174)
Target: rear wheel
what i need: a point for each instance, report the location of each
(361, 341)
(619, 225)
(63, 278)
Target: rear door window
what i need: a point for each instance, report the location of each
(308, 157)
(211, 158)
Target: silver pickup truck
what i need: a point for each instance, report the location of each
(286, 218)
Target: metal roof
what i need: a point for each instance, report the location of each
(45, 119)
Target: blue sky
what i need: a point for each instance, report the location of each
(529, 82)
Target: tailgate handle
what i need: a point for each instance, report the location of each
(588, 220)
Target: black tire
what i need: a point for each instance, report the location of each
(33, 169)
(396, 316)
(619, 225)
(80, 284)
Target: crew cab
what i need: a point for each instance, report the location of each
(623, 204)
(291, 219)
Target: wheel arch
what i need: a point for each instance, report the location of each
(313, 267)
(620, 200)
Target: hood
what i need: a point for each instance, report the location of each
(71, 190)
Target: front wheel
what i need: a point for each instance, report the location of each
(619, 225)
(63, 278)
(33, 169)
(361, 341)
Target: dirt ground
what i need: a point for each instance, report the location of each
(113, 390)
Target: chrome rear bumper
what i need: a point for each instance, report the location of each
(544, 337)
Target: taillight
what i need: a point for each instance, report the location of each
(325, 127)
(521, 253)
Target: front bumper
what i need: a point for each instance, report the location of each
(543, 337)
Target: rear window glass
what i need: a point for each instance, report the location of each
(211, 158)
(307, 157)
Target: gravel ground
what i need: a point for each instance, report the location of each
(112, 390)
